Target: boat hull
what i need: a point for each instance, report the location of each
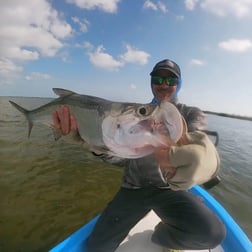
(235, 241)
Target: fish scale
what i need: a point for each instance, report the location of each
(90, 129)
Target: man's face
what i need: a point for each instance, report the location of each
(163, 91)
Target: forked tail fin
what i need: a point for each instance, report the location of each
(26, 113)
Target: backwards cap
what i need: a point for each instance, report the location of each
(167, 65)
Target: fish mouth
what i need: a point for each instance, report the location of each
(138, 140)
(146, 125)
(150, 126)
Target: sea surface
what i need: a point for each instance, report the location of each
(49, 189)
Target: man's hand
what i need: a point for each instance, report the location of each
(66, 125)
(64, 121)
(162, 156)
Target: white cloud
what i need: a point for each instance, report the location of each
(37, 76)
(236, 45)
(148, 4)
(84, 24)
(9, 71)
(133, 86)
(197, 62)
(109, 6)
(87, 45)
(162, 7)
(190, 4)
(104, 60)
(19, 53)
(99, 58)
(7, 67)
(135, 56)
(222, 8)
(30, 29)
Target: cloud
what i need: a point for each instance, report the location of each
(109, 6)
(190, 4)
(7, 67)
(18, 53)
(100, 58)
(150, 5)
(87, 45)
(236, 45)
(238, 8)
(162, 7)
(29, 30)
(197, 62)
(84, 24)
(37, 76)
(133, 86)
(135, 56)
(103, 60)
(159, 6)
(31, 26)
(222, 8)
(9, 71)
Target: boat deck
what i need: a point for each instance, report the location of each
(139, 238)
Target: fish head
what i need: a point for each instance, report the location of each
(171, 120)
(135, 130)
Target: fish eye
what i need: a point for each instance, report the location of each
(142, 111)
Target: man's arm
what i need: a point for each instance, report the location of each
(196, 162)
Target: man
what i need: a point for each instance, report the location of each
(156, 182)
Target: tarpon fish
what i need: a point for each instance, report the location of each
(127, 130)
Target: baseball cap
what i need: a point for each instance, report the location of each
(167, 65)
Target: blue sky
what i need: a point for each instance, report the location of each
(107, 48)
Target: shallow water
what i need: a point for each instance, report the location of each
(49, 189)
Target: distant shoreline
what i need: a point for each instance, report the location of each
(248, 118)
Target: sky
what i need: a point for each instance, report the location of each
(107, 48)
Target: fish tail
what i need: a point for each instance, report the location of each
(26, 113)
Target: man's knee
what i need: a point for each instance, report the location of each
(215, 235)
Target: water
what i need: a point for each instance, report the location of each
(49, 189)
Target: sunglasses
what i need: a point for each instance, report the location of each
(169, 81)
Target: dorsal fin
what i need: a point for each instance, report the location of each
(62, 92)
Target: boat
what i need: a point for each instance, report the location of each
(138, 239)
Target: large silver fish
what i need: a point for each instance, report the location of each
(127, 130)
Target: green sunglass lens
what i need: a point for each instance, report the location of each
(156, 80)
(170, 81)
